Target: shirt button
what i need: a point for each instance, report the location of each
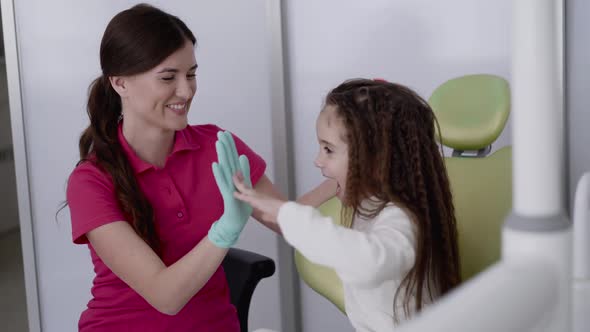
(180, 214)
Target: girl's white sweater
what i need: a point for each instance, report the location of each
(371, 259)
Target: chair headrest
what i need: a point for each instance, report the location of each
(471, 110)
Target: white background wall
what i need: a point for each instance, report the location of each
(58, 45)
(420, 43)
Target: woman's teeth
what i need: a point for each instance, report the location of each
(176, 106)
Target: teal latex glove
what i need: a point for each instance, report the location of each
(225, 232)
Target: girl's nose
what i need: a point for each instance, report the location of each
(317, 162)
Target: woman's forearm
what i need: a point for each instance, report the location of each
(166, 288)
(320, 194)
(179, 282)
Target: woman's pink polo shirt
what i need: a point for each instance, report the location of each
(186, 201)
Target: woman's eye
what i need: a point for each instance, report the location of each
(191, 76)
(327, 150)
(170, 78)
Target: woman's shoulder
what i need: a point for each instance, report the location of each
(86, 171)
(87, 165)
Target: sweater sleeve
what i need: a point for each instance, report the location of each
(369, 258)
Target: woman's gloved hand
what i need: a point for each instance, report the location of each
(225, 232)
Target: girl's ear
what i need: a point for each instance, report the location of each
(119, 84)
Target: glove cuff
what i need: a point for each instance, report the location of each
(218, 238)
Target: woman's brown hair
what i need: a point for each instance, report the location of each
(394, 157)
(135, 41)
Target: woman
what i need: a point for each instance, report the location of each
(143, 196)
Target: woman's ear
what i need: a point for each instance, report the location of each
(119, 84)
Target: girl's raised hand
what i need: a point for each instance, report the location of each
(267, 205)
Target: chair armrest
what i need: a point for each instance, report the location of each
(243, 270)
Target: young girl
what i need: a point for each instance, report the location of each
(377, 140)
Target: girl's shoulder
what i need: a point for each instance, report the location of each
(390, 216)
(393, 216)
(391, 210)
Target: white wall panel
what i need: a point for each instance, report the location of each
(59, 43)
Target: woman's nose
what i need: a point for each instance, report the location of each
(186, 89)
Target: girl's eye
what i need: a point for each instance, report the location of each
(327, 150)
(170, 78)
(191, 76)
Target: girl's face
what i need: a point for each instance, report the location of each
(160, 98)
(332, 158)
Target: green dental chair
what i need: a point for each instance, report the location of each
(472, 111)
(320, 278)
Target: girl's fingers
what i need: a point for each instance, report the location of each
(245, 198)
(238, 195)
(239, 183)
(241, 197)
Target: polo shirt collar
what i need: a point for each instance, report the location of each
(182, 142)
